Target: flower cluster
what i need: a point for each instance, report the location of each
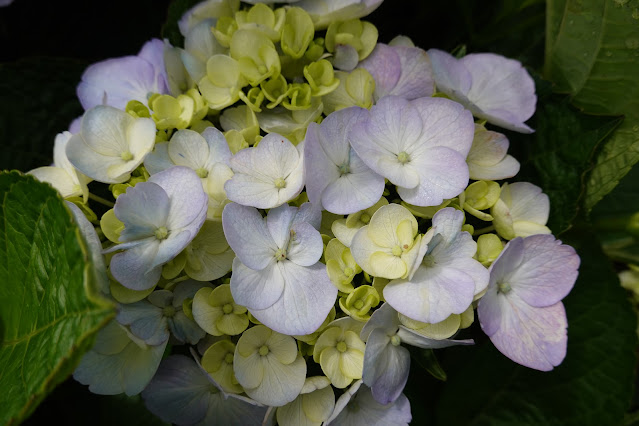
(293, 196)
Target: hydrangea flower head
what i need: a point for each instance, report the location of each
(522, 311)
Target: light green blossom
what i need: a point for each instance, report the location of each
(441, 330)
(313, 406)
(340, 265)
(340, 352)
(217, 313)
(275, 90)
(218, 362)
(488, 248)
(360, 35)
(223, 81)
(345, 229)
(297, 33)
(256, 56)
(170, 112)
(298, 97)
(321, 77)
(209, 256)
(268, 366)
(481, 195)
(359, 302)
(355, 89)
(262, 19)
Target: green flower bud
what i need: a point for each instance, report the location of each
(355, 89)
(359, 302)
(315, 50)
(275, 90)
(236, 141)
(340, 265)
(321, 77)
(200, 106)
(253, 98)
(263, 19)
(361, 35)
(256, 55)
(170, 112)
(488, 248)
(137, 109)
(224, 29)
(298, 97)
(481, 195)
(297, 33)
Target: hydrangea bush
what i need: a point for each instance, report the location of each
(294, 205)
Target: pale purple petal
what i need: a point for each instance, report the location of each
(179, 392)
(432, 295)
(145, 320)
(413, 338)
(143, 209)
(153, 53)
(247, 234)
(158, 160)
(385, 318)
(307, 299)
(451, 77)
(219, 151)
(443, 174)
(131, 267)
(117, 81)
(546, 273)
(401, 71)
(533, 337)
(502, 90)
(363, 410)
(386, 367)
(188, 199)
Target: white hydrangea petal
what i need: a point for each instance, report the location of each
(528, 203)
(433, 294)
(188, 199)
(141, 138)
(219, 151)
(320, 170)
(451, 76)
(343, 233)
(247, 234)
(533, 337)
(158, 160)
(386, 367)
(281, 383)
(279, 221)
(273, 163)
(143, 209)
(104, 130)
(307, 299)
(353, 192)
(59, 179)
(257, 289)
(443, 174)
(188, 148)
(362, 248)
(306, 245)
(131, 267)
(334, 133)
(172, 246)
(385, 318)
(506, 168)
(97, 166)
(249, 371)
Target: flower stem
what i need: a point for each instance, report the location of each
(101, 200)
(484, 230)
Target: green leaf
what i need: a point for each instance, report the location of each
(559, 154)
(427, 360)
(37, 101)
(593, 385)
(592, 53)
(50, 308)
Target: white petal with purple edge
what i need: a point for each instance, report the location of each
(143, 209)
(131, 267)
(386, 367)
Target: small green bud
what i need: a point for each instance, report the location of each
(361, 35)
(137, 109)
(297, 33)
(298, 97)
(321, 77)
(488, 248)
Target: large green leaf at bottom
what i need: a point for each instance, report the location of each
(593, 385)
(49, 308)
